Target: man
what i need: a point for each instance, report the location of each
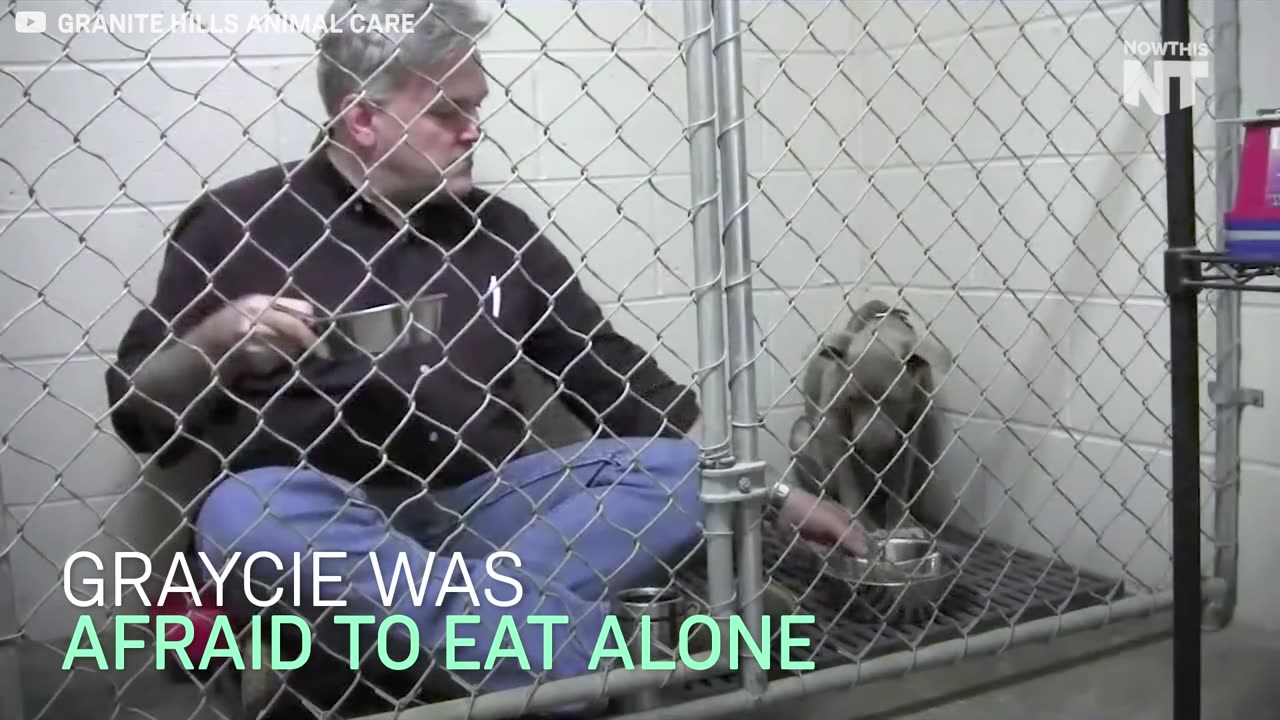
(423, 448)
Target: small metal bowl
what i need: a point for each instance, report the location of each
(900, 576)
(374, 331)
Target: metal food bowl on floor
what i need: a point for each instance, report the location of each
(900, 576)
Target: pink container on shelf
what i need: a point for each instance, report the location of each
(1252, 225)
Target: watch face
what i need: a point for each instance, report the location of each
(780, 490)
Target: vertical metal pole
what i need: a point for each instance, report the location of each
(709, 273)
(741, 316)
(10, 649)
(1226, 451)
(1180, 198)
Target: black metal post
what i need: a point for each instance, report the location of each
(1175, 30)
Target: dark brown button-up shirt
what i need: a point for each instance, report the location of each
(301, 230)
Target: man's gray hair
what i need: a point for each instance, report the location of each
(380, 63)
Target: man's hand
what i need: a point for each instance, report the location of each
(268, 322)
(822, 523)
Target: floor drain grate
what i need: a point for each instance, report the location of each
(998, 585)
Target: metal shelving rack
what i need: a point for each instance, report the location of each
(1194, 270)
(1189, 269)
(1184, 332)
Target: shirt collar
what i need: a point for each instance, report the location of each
(446, 222)
(319, 166)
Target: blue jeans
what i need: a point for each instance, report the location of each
(585, 522)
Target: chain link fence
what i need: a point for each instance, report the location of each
(730, 182)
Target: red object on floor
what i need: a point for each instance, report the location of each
(202, 618)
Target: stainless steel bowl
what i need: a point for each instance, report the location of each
(899, 576)
(374, 331)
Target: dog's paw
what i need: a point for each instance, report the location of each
(913, 532)
(909, 529)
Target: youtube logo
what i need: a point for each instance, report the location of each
(30, 21)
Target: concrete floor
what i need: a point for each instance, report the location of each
(1073, 679)
(1239, 681)
(1123, 672)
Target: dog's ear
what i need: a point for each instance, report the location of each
(833, 346)
(905, 316)
(874, 312)
(831, 351)
(865, 313)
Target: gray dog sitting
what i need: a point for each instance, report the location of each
(868, 403)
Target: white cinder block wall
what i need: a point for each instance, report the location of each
(891, 148)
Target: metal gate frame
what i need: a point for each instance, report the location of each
(10, 632)
(732, 477)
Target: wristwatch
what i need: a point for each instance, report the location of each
(779, 492)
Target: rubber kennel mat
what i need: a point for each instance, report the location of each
(998, 585)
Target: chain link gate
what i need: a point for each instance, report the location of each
(969, 161)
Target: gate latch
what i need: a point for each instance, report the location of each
(1237, 398)
(735, 483)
